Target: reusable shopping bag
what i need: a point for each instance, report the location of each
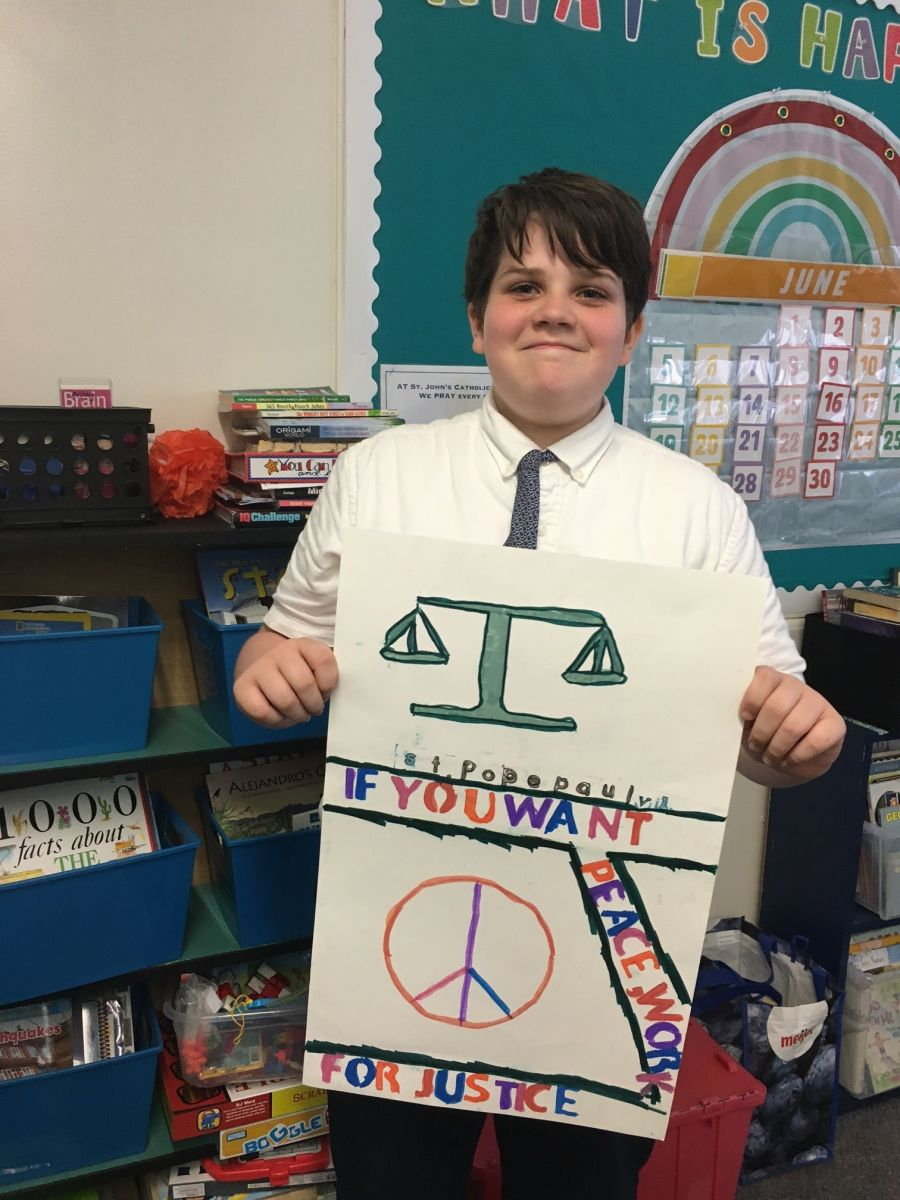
(778, 1013)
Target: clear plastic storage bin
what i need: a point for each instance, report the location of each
(878, 887)
(870, 1045)
(255, 1043)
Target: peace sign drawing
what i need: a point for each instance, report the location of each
(497, 948)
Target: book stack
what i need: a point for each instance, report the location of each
(873, 609)
(284, 443)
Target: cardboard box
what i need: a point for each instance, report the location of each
(261, 1137)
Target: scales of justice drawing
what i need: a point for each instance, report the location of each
(402, 644)
(499, 925)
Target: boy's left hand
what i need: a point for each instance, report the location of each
(791, 733)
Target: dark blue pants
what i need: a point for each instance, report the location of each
(390, 1150)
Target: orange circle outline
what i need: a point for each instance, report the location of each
(441, 879)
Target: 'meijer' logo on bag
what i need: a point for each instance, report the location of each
(796, 1038)
(792, 1029)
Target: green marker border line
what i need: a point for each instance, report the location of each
(575, 1082)
(507, 841)
(632, 891)
(616, 983)
(591, 801)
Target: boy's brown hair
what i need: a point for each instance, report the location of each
(594, 223)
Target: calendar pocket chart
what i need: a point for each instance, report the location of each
(775, 299)
(795, 406)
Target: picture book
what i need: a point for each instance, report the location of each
(14, 621)
(252, 466)
(268, 446)
(107, 1025)
(883, 794)
(874, 940)
(63, 825)
(232, 579)
(267, 495)
(61, 614)
(316, 396)
(884, 595)
(242, 495)
(352, 429)
(35, 1037)
(883, 1040)
(238, 516)
(243, 414)
(879, 625)
(269, 798)
(882, 611)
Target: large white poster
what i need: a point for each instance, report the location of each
(530, 760)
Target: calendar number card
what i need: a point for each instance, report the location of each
(790, 404)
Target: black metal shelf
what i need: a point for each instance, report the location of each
(190, 533)
(863, 920)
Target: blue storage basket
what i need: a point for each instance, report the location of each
(78, 694)
(60, 1121)
(214, 650)
(266, 886)
(61, 931)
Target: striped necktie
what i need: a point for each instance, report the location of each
(523, 528)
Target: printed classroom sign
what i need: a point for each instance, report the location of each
(421, 394)
(519, 842)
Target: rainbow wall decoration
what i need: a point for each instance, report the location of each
(788, 175)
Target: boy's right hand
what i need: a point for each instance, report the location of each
(284, 680)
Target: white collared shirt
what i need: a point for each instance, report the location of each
(611, 493)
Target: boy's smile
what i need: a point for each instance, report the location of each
(553, 334)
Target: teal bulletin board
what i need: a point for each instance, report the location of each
(474, 94)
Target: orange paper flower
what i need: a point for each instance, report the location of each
(186, 467)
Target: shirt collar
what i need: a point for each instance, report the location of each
(579, 453)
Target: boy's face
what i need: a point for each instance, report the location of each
(553, 334)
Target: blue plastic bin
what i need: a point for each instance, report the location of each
(60, 1121)
(78, 694)
(266, 886)
(61, 931)
(214, 650)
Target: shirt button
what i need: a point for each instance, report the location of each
(542, 530)
(578, 476)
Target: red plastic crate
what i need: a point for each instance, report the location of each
(701, 1156)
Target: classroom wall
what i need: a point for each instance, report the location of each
(169, 198)
(171, 217)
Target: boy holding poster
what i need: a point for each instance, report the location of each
(557, 276)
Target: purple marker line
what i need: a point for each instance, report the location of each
(436, 987)
(470, 952)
